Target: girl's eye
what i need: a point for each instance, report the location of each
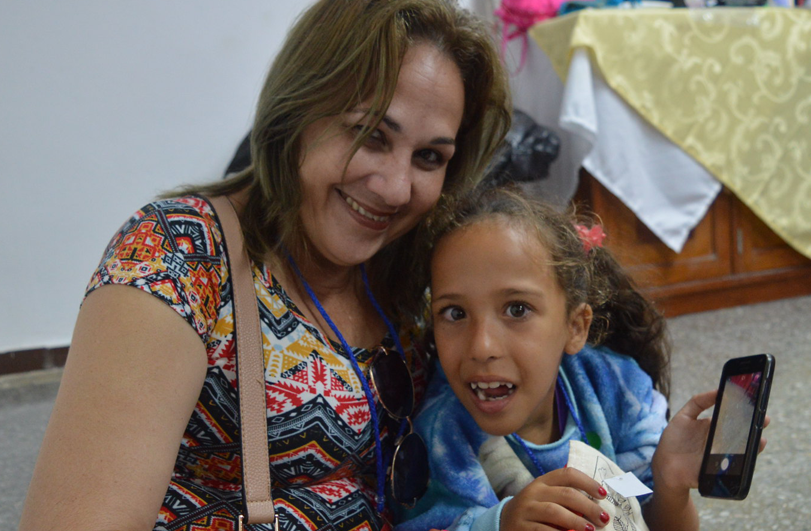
(517, 310)
(452, 313)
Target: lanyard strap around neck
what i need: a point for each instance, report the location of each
(570, 406)
(375, 421)
(392, 331)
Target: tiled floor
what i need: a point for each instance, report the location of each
(25, 404)
(777, 500)
(703, 342)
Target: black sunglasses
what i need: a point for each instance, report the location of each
(409, 472)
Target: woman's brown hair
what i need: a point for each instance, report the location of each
(341, 53)
(624, 320)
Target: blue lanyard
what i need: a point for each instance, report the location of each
(577, 421)
(381, 481)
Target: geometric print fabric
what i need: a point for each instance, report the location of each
(320, 437)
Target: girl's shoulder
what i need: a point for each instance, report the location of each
(612, 379)
(603, 363)
(443, 420)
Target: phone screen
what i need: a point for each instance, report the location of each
(735, 416)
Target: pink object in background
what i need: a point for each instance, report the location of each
(518, 16)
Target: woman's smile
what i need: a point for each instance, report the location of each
(355, 204)
(375, 220)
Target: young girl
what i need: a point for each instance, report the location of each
(529, 314)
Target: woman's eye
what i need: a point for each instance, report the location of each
(452, 313)
(375, 137)
(430, 158)
(517, 309)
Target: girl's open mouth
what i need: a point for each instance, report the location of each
(492, 391)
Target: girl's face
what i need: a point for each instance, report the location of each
(396, 177)
(501, 326)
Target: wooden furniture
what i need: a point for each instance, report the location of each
(731, 257)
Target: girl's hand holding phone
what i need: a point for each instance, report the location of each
(677, 461)
(557, 501)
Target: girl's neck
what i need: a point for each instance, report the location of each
(545, 430)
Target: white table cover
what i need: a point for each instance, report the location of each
(665, 188)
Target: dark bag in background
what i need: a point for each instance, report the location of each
(528, 151)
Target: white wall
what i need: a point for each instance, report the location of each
(102, 105)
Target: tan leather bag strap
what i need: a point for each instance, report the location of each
(250, 372)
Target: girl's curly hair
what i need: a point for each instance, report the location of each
(624, 320)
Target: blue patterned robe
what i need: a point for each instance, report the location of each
(613, 398)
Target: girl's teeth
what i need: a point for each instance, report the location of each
(484, 398)
(489, 385)
(480, 387)
(360, 210)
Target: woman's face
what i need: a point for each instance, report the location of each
(396, 177)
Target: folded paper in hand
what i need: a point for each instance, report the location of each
(620, 504)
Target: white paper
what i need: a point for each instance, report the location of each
(623, 509)
(627, 485)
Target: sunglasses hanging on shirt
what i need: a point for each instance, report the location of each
(408, 473)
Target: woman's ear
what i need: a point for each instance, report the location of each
(579, 324)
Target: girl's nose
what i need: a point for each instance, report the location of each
(392, 181)
(484, 344)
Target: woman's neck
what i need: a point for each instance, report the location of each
(327, 279)
(339, 290)
(341, 293)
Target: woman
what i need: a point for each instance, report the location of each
(372, 112)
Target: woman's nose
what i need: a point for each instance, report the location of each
(392, 181)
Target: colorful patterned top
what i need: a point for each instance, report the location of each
(319, 432)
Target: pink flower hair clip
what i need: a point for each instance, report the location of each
(592, 237)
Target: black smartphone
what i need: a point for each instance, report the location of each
(737, 421)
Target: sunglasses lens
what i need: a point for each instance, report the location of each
(409, 475)
(393, 382)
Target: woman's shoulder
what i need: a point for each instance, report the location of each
(173, 249)
(183, 226)
(186, 224)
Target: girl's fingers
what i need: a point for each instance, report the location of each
(565, 513)
(568, 491)
(570, 477)
(762, 444)
(698, 404)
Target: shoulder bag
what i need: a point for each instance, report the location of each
(258, 502)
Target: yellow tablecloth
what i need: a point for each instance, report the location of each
(730, 86)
